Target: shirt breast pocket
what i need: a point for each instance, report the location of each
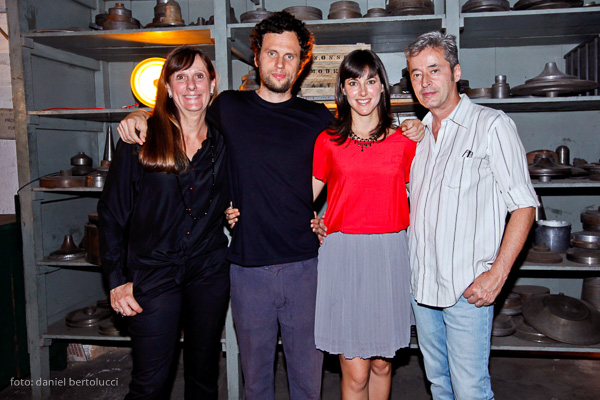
(461, 172)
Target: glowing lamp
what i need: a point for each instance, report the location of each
(144, 80)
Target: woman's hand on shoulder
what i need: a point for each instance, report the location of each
(413, 129)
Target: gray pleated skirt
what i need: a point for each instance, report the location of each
(363, 301)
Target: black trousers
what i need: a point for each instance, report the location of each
(194, 298)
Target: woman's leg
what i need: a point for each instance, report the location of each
(154, 333)
(355, 378)
(380, 379)
(205, 300)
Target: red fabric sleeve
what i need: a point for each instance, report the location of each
(320, 157)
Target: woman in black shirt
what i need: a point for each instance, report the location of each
(162, 241)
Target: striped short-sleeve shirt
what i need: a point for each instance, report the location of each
(462, 187)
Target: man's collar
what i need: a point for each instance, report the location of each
(460, 114)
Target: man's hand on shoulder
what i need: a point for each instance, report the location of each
(134, 127)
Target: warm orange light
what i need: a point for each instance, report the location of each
(144, 80)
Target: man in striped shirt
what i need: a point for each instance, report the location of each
(468, 172)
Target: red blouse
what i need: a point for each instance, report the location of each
(366, 191)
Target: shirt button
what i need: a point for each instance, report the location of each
(187, 233)
(191, 188)
(191, 168)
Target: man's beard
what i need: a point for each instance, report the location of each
(276, 86)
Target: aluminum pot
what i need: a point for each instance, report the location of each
(556, 234)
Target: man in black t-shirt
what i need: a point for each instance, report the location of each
(270, 136)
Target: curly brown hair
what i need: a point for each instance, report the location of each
(283, 21)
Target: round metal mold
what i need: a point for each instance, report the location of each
(546, 4)
(485, 6)
(410, 7)
(511, 305)
(503, 325)
(546, 169)
(590, 291)
(255, 16)
(541, 253)
(591, 218)
(479, 93)
(551, 83)
(500, 89)
(526, 291)
(95, 179)
(563, 318)
(68, 251)
(87, 317)
(305, 13)
(345, 14)
(535, 155)
(56, 182)
(81, 159)
(583, 256)
(120, 17)
(525, 331)
(376, 13)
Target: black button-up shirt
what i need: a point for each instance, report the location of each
(152, 219)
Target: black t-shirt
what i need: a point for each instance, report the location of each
(270, 149)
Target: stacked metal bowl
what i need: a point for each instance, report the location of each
(410, 7)
(255, 16)
(344, 10)
(485, 6)
(376, 13)
(305, 13)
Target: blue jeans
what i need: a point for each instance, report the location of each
(263, 301)
(455, 342)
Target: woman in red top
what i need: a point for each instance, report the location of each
(363, 307)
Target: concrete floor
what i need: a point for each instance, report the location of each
(513, 378)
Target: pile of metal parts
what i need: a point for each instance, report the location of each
(530, 312)
(546, 165)
(586, 244)
(83, 174)
(551, 83)
(99, 317)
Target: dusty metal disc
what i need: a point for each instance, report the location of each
(525, 331)
(511, 305)
(305, 13)
(376, 13)
(503, 325)
(553, 82)
(541, 253)
(591, 217)
(526, 291)
(584, 256)
(479, 93)
(548, 169)
(485, 6)
(563, 318)
(67, 251)
(87, 317)
(544, 4)
(255, 15)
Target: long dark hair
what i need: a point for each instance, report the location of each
(354, 66)
(164, 149)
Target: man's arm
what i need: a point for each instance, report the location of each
(486, 287)
(127, 127)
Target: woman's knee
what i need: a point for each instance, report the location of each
(381, 367)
